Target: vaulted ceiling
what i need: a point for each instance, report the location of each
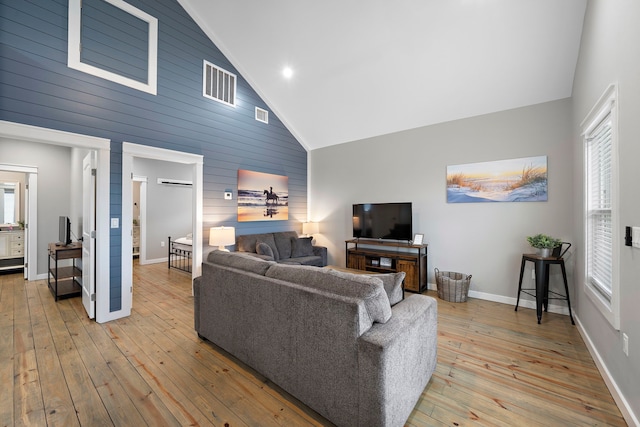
(368, 68)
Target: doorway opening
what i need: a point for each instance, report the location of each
(17, 208)
(19, 132)
(194, 163)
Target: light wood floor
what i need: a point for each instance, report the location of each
(495, 367)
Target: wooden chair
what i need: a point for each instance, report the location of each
(541, 265)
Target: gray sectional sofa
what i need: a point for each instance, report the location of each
(348, 346)
(284, 247)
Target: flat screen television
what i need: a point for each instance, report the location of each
(391, 221)
(64, 231)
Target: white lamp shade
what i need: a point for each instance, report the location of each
(222, 236)
(310, 228)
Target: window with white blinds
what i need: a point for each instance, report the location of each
(599, 208)
(602, 240)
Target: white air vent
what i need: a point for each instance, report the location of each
(262, 115)
(219, 84)
(176, 182)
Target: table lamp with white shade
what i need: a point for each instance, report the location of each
(221, 237)
(310, 228)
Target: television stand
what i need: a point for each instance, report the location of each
(65, 282)
(382, 256)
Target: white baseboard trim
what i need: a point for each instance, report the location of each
(526, 303)
(618, 397)
(153, 261)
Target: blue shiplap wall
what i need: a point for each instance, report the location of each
(38, 89)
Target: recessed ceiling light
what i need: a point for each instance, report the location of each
(287, 72)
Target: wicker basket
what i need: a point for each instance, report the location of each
(452, 286)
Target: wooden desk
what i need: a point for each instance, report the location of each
(65, 281)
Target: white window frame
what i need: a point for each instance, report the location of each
(74, 46)
(606, 105)
(206, 64)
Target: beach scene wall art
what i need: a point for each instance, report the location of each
(514, 180)
(262, 196)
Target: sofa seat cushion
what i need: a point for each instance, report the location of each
(241, 261)
(313, 260)
(367, 288)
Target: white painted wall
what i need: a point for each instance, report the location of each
(609, 54)
(483, 239)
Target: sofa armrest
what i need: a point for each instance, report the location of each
(396, 360)
(321, 251)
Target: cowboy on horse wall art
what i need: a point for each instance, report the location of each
(271, 196)
(262, 196)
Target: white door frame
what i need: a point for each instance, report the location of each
(129, 151)
(142, 257)
(102, 146)
(31, 201)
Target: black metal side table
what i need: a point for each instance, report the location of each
(541, 265)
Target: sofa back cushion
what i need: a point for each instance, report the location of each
(369, 289)
(240, 261)
(301, 246)
(283, 242)
(247, 242)
(279, 242)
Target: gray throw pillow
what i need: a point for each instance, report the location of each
(264, 249)
(301, 247)
(268, 239)
(393, 285)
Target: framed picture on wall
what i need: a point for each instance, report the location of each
(262, 196)
(513, 180)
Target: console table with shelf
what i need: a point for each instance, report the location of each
(390, 257)
(65, 281)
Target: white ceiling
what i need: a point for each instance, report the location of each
(367, 68)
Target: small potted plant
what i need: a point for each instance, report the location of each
(544, 244)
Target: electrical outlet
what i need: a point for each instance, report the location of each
(625, 344)
(533, 275)
(162, 244)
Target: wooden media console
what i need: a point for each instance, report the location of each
(390, 257)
